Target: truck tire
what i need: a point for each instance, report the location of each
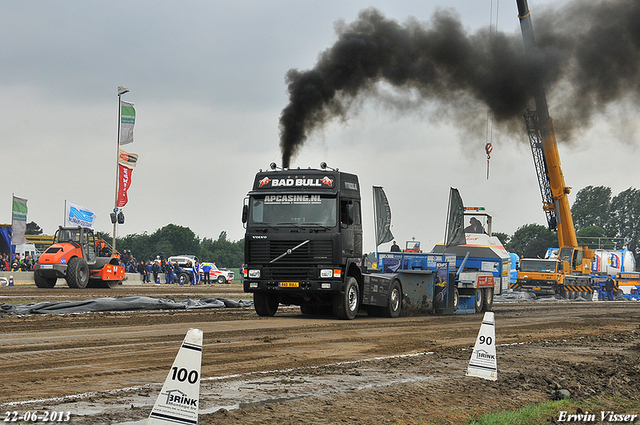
(77, 273)
(394, 306)
(456, 299)
(345, 305)
(487, 305)
(221, 279)
(265, 304)
(44, 282)
(479, 299)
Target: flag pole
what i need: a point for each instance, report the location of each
(375, 219)
(121, 91)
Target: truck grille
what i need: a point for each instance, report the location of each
(313, 252)
(288, 273)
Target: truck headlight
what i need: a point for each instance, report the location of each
(253, 284)
(324, 273)
(254, 274)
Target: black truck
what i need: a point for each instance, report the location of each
(303, 246)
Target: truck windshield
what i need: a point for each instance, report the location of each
(538, 266)
(293, 210)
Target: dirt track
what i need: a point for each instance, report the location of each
(318, 370)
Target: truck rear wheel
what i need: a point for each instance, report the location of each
(456, 299)
(479, 300)
(394, 306)
(345, 305)
(77, 273)
(265, 304)
(487, 305)
(44, 282)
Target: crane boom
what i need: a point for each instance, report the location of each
(569, 275)
(544, 146)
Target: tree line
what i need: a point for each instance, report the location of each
(175, 240)
(600, 219)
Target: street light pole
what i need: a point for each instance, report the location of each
(121, 91)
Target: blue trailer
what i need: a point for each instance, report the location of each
(429, 283)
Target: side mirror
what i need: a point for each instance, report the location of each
(245, 213)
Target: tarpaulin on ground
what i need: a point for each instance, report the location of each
(121, 304)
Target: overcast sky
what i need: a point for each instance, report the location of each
(208, 82)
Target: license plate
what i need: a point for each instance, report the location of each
(537, 289)
(46, 266)
(289, 284)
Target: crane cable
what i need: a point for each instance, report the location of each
(488, 147)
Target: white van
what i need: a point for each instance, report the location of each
(27, 249)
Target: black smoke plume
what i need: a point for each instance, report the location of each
(589, 56)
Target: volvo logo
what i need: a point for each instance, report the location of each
(259, 236)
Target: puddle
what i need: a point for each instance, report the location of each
(131, 406)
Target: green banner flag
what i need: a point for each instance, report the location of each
(127, 120)
(19, 221)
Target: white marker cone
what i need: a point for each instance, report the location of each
(177, 402)
(483, 363)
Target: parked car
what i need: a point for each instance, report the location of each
(217, 275)
(185, 262)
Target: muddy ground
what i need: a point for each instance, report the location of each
(107, 368)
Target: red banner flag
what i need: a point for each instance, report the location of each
(124, 182)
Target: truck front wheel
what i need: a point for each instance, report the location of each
(265, 304)
(345, 305)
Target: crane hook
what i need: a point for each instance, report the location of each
(488, 148)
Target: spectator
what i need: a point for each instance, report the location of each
(16, 263)
(154, 270)
(28, 263)
(142, 269)
(195, 274)
(168, 272)
(395, 247)
(609, 286)
(206, 270)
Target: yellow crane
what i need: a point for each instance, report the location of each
(569, 276)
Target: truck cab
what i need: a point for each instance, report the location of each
(303, 237)
(540, 276)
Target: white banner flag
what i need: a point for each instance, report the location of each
(127, 120)
(78, 216)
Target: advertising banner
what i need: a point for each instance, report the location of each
(127, 120)
(455, 221)
(19, 221)
(124, 182)
(127, 159)
(383, 216)
(76, 215)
